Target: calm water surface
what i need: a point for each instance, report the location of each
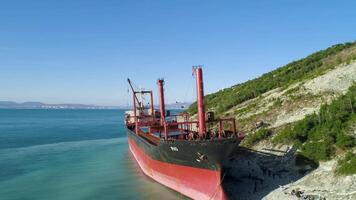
(70, 154)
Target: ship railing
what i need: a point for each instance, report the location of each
(218, 129)
(142, 118)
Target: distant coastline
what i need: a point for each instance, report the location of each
(40, 105)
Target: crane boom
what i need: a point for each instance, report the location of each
(133, 91)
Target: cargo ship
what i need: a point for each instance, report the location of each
(176, 151)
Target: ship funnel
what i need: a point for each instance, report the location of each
(160, 83)
(198, 72)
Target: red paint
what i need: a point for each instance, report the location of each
(200, 184)
(160, 83)
(200, 100)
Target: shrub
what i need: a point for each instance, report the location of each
(253, 138)
(301, 160)
(345, 141)
(317, 135)
(278, 103)
(285, 136)
(321, 150)
(347, 165)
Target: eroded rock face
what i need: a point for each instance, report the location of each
(254, 174)
(276, 175)
(319, 184)
(337, 80)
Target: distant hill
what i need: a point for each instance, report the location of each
(178, 105)
(40, 105)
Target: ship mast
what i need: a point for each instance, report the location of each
(160, 83)
(198, 72)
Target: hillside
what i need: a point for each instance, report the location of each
(289, 93)
(308, 105)
(303, 69)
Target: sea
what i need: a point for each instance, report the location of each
(70, 155)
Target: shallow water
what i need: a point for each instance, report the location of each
(70, 154)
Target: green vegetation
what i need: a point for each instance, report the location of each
(301, 160)
(245, 109)
(306, 68)
(278, 103)
(319, 135)
(253, 138)
(347, 165)
(292, 91)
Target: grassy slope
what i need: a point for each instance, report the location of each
(306, 68)
(320, 135)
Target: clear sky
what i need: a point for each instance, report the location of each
(82, 51)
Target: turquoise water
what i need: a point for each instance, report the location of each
(70, 154)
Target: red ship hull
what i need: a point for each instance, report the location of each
(179, 153)
(196, 183)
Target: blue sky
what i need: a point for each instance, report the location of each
(82, 51)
